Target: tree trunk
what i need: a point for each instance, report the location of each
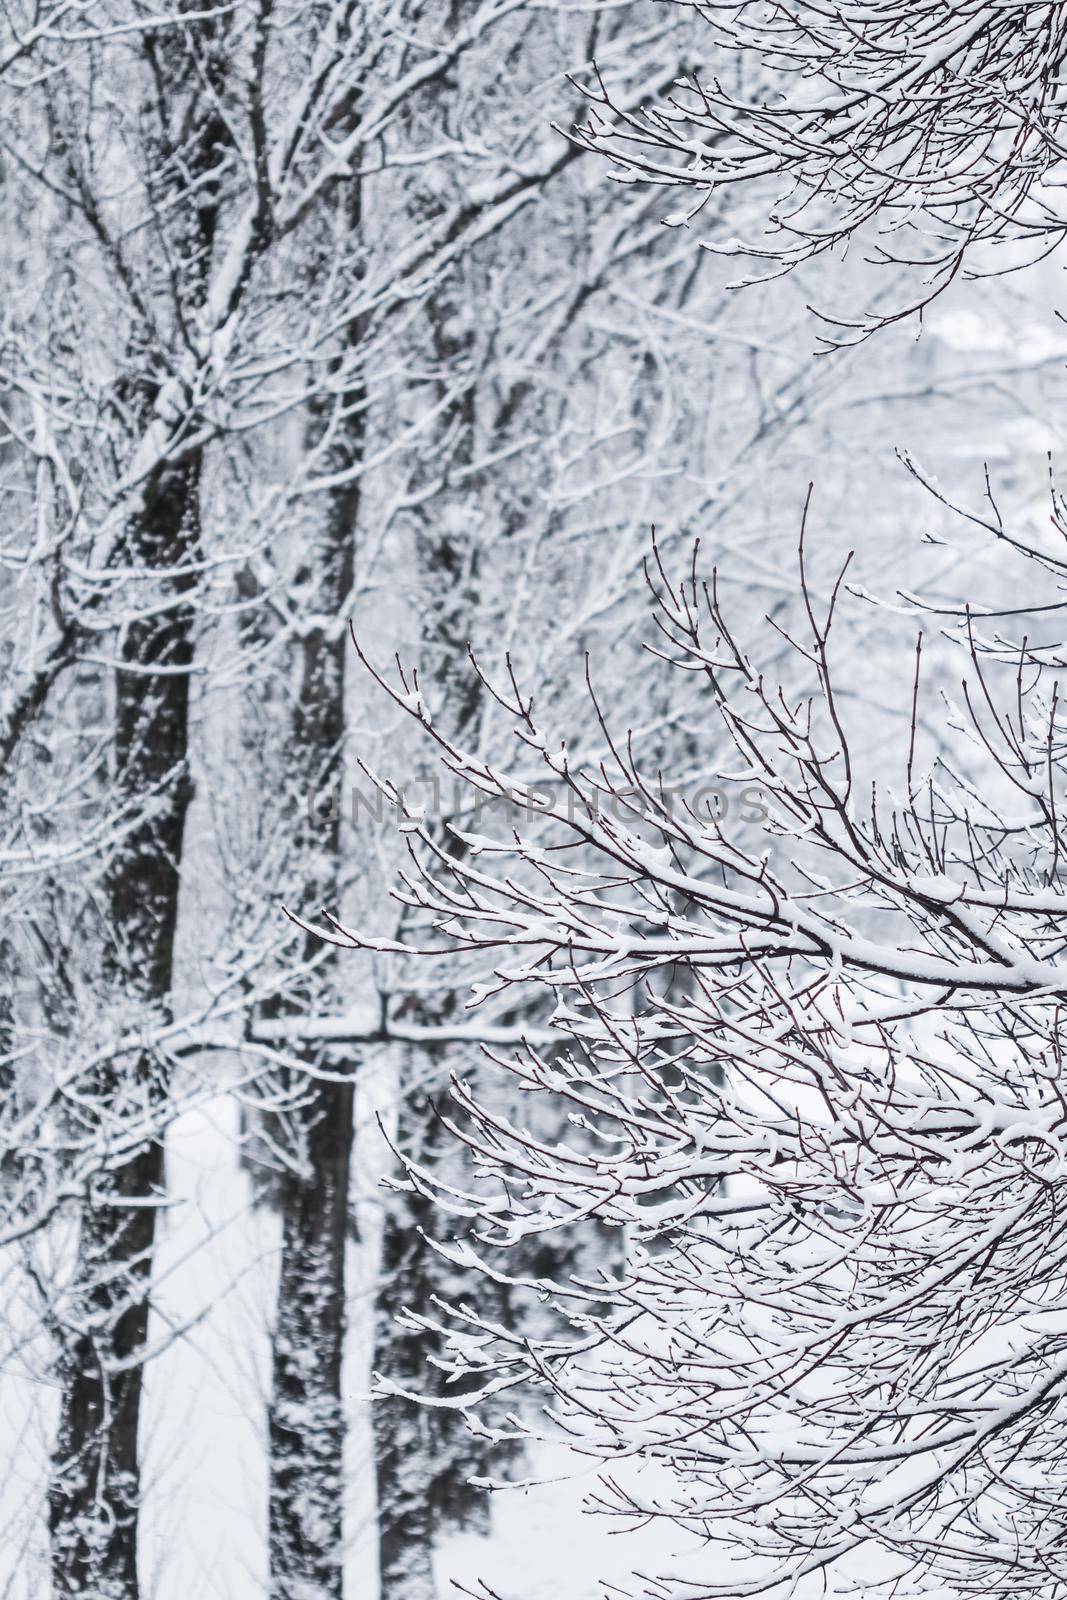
(95, 1486)
(306, 1414)
(424, 1456)
(94, 1491)
(407, 1437)
(306, 1420)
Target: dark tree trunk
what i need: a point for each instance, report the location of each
(94, 1492)
(95, 1485)
(406, 1448)
(424, 1455)
(307, 1429)
(306, 1420)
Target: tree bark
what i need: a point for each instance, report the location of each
(95, 1491)
(424, 1456)
(95, 1482)
(307, 1430)
(306, 1417)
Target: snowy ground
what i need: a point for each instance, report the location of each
(203, 1532)
(204, 1524)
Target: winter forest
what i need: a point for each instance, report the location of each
(533, 799)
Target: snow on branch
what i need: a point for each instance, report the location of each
(924, 130)
(815, 1080)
